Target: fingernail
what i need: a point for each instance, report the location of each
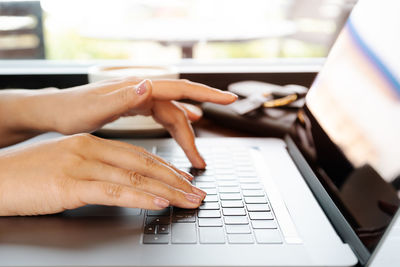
(193, 198)
(161, 202)
(199, 192)
(234, 96)
(141, 88)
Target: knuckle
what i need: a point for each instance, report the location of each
(131, 79)
(66, 193)
(79, 140)
(149, 161)
(72, 162)
(113, 190)
(125, 97)
(136, 179)
(184, 182)
(140, 149)
(174, 195)
(177, 119)
(180, 118)
(179, 179)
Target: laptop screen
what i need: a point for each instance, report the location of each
(349, 131)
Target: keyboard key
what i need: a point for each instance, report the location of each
(210, 191)
(209, 214)
(240, 239)
(223, 165)
(205, 179)
(212, 235)
(264, 224)
(230, 196)
(157, 220)
(237, 229)
(226, 177)
(183, 233)
(224, 171)
(163, 229)
(241, 157)
(183, 166)
(222, 160)
(249, 180)
(234, 211)
(183, 218)
(163, 212)
(227, 183)
(207, 222)
(201, 172)
(253, 193)
(255, 200)
(155, 239)
(181, 211)
(211, 198)
(245, 164)
(180, 160)
(251, 186)
(236, 220)
(232, 204)
(258, 207)
(268, 236)
(229, 189)
(205, 185)
(150, 229)
(245, 168)
(261, 216)
(209, 206)
(246, 174)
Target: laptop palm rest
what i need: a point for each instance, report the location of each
(84, 227)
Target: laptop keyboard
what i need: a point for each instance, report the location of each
(235, 210)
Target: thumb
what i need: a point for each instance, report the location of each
(128, 98)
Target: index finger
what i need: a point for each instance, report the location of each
(185, 89)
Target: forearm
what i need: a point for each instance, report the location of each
(23, 115)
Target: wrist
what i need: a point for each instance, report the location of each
(29, 111)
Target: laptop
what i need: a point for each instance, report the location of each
(325, 195)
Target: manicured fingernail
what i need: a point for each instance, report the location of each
(199, 192)
(161, 202)
(141, 88)
(193, 198)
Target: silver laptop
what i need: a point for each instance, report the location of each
(323, 196)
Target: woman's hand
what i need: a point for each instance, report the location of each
(88, 107)
(70, 172)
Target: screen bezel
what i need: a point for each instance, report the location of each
(334, 214)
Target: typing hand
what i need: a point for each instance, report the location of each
(88, 107)
(73, 171)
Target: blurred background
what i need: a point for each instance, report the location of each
(168, 30)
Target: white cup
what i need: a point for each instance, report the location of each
(135, 126)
